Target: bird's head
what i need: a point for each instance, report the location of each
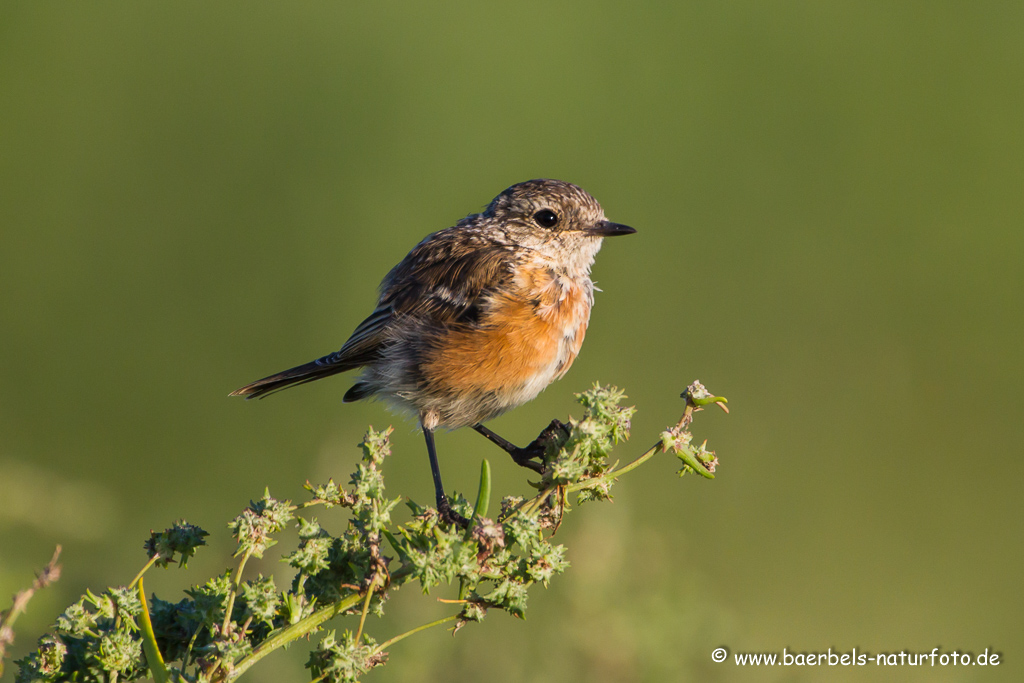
(556, 218)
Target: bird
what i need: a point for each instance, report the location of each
(477, 319)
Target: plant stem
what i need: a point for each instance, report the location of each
(402, 636)
(304, 627)
(614, 474)
(293, 632)
(366, 608)
(234, 592)
(535, 502)
(191, 643)
(138, 577)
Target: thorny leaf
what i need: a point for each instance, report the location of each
(346, 660)
(182, 539)
(252, 528)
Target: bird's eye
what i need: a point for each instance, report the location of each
(546, 218)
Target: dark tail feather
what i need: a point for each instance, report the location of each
(301, 374)
(357, 392)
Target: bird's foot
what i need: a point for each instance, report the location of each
(447, 514)
(532, 455)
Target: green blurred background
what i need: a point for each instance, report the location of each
(829, 198)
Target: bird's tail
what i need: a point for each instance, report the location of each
(308, 372)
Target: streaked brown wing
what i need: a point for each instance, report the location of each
(447, 279)
(443, 280)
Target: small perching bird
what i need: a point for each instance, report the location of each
(478, 318)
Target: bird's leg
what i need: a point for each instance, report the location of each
(526, 457)
(444, 508)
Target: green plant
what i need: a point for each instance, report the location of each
(228, 624)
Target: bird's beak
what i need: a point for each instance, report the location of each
(609, 229)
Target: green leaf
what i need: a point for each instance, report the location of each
(153, 657)
(687, 456)
(483, 497)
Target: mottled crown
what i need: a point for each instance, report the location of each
(573, 205)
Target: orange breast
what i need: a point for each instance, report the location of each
(528, 337)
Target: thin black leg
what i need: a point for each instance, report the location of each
(498, 441)
(444, 508)
(526, 457)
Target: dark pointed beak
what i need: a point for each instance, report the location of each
(609, 229)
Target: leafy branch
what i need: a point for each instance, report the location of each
(227, 625)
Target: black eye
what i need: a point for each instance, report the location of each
(546, 218)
